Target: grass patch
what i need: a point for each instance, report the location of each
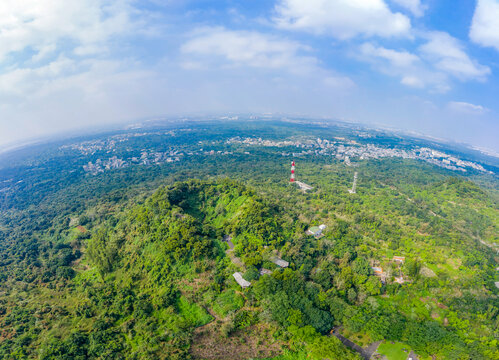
(362, 339)
(394, 351)
(193, 312)
(226, 302)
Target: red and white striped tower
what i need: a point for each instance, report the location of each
(292, 179)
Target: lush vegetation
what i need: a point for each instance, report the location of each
(132, 263)
(393, 351)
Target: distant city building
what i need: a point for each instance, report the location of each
(344, 149)
(340, 148)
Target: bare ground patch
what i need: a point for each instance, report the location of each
(209, 343)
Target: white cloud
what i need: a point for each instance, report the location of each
(56, 64)
(410, 68)
(342, 19)
(246, 48)
(447, 55)
(340, 82)
(432, 66)
(216, 48)
(228, 71)
(43, 26)
(86, 78)
(485, 25)
(414, 6)
(70, 94)
(412, 81)
(440, 58)
(467, 108)
(26, 81)
(396, 58)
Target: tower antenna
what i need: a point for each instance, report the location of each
(292, 179)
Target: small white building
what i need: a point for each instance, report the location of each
(264, 271)
(316, 230)
(240, 280)
(280, 262)
(399, 259)
(303, 186)
(399, 280)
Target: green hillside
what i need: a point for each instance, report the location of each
(138, 263)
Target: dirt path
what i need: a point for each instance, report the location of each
(228, 240)
(366, 352)
(412, 356)
(230, 252)
(371, 349)
(234, 258)
(212, 313)
(349, 344)
(250, 342)
(492, 246)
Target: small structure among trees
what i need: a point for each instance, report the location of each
(399, 259)
(316, 230)
(279, 262)
(264, 271)
(303, 186)
(399, 279)
(240, 280)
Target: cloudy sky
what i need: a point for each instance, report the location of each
(430, 66)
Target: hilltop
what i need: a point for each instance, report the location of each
(137, 261)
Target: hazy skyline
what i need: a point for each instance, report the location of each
(428, 66)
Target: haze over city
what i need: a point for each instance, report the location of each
(428, 66)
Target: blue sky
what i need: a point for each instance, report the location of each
(428, 66)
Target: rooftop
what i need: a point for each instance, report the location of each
(240, 280)
(316, 230)
(279, 262)
(264, 271)
(303, 186)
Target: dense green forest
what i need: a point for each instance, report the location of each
(136, 262)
